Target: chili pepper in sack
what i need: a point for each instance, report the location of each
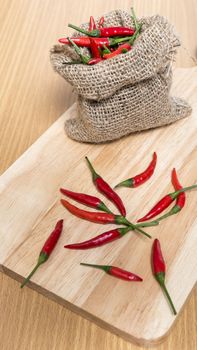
(142, 177)
(164, 203)
(159, 269)
(104, 188)
(101, 239)
(180, 202)
(101, 218)
(101, 21)
(121, 49)
(105, 32)
(86, 199)
(94, 48)
(47, 249)
(92, 24)
(116, 272)
(84, 41)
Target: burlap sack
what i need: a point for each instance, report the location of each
(128, 93)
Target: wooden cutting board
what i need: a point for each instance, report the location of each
(30, 206)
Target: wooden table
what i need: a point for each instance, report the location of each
(32, 97)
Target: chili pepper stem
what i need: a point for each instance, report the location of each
(102, 267)
(103, 207)
(120, 40)
(121, 220)
(126, 183)
(148, 224)
(176, 193)
(85, 59)
(163, 286)
(42, 258)
(92, 33)
(134, 18)
(173, 211)
(106, 48)
(141, 231)
(94, 174)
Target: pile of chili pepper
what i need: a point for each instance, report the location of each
(103, 42)
(106, 216)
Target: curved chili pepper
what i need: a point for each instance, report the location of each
(116, 272)
(121, 49)
(101, 218)
(86, 199)
(159, 270)
(94, 49)
(92, 24)
(85, 41)
(104, 188)
(105, 32)
(47, 248)
(180, 202)
(164, 203)
(101, 21)
(98, 217)
(101, 239)
(140, 178)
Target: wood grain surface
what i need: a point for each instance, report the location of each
(32, 97)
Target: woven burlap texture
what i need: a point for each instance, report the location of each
(128, 93)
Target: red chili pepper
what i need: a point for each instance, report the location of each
(86, 199)
(180, 202)
(116, 272)
(101, 218)
(101, 21)
(85, 41)
(104, 188)
(164, 203)
(92, 24)
(101, 239)
(159, 270)
(94, 48)
(121, 49)
(105, 32)
(140, 178)
(47, 248)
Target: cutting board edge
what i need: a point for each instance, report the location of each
(90, 317)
